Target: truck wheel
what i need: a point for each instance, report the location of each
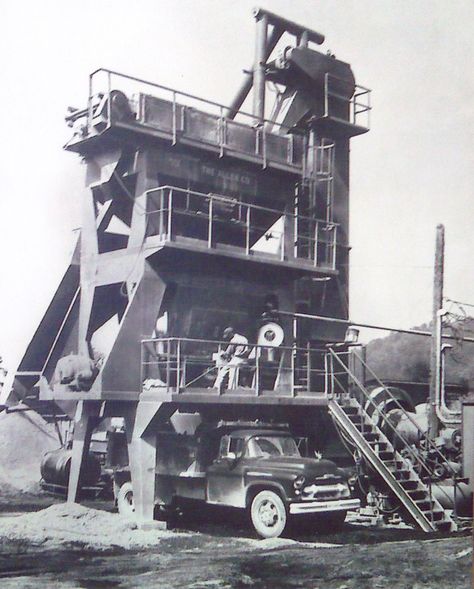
(125, 503)
(268, 514)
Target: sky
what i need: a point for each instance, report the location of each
(413, 170)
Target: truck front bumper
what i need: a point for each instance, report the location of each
(324, 506)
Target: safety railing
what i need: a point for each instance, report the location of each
(220, 222)
(342, 381)
(186, 365)
(340, 103)
(183, 115)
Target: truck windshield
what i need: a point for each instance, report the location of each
(265, 446)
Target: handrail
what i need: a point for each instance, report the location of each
(217, 196)
(351, 101)
(223, 342)
(174, 361)
(317, 244)
(185, 94)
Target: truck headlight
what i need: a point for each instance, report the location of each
(298, 483)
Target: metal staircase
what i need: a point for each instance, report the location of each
(409, 479)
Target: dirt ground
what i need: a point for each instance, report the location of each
(91, 547)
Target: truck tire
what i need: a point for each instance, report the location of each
(268, 514)
(125, 503)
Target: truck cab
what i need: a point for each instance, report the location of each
(257, 468)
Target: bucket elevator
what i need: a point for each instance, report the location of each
(198, 217)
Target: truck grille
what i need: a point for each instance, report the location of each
(325, 492)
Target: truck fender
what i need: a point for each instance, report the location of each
(263, 485)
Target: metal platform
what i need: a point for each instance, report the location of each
(223, 225)
(185, 370)
(179, 117)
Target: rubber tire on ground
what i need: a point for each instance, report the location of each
(125, 503)
(268, 514)
(331, 521)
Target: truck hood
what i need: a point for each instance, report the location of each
(308, 467)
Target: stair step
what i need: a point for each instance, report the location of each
(443, 526)
(417, 494)
(372, 436)
(360, 424)
(355, 418)
(436, 516)
(424, 504)
(394, 466)
(403, 476)
(387, 456)
(350, 410)
(377, 444)
(409, 485)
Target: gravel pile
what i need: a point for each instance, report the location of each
(74, 524)
(24, 439)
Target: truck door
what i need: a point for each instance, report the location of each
(225, 480)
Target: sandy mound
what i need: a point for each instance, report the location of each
(276, 543)
(73, 523)
(24, 438)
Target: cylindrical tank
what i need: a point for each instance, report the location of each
(409, 426)
(56, 465)
(450, 496)
(387, 399)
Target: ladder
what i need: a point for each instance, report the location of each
(347, 405)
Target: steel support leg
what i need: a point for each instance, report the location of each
(141, 439)
(87, 418)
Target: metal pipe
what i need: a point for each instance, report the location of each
(247, 82)
(209, 227)
(178, 366)
(289, 25)
(247, 232)
(445, 415)
(170, 209)
(303, 39)
(368, 325)
(435, 359)
(259, 68)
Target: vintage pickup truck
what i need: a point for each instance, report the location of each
(256, 468)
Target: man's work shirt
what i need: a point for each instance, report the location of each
(238, 346)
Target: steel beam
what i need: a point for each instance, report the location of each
(289, 25)
(87, 418)
(141, 440)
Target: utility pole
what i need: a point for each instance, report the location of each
(433, 422)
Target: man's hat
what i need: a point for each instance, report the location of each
(228, 332)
